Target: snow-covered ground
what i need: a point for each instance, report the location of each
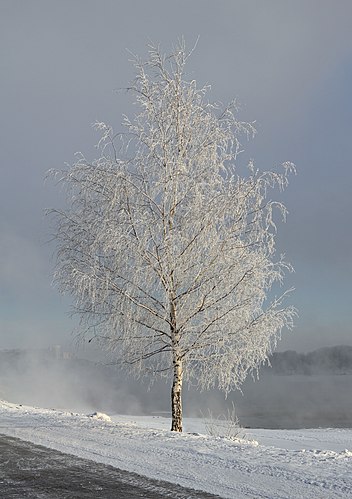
(315, 463)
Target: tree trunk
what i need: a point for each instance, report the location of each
(176, 396)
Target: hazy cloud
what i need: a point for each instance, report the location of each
(290, 65)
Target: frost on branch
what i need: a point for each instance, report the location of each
(167, 251)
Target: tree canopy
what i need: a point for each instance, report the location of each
(168, 252)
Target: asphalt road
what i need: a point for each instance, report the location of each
(33, 471)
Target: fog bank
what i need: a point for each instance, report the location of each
(282, 397)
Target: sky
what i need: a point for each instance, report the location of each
(289, 63)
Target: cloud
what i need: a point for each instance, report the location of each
(289, 63)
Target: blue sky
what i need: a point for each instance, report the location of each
(288, 62)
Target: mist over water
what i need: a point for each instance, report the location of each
(56, 379)
(297, 401)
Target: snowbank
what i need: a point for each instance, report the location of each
(270, 464)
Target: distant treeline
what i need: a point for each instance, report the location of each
(329, 360)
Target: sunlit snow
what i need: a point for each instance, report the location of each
(265, 463)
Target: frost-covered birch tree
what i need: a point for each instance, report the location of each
(168, 252)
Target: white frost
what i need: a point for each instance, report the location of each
(166, 248)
